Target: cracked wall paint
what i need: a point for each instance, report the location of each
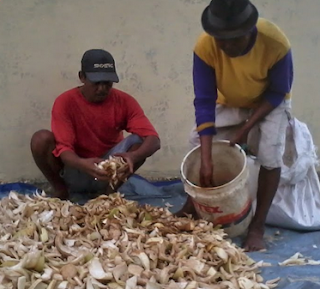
(42, 43)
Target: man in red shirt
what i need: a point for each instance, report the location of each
(87, 126)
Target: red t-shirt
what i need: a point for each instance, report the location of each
(91, 129)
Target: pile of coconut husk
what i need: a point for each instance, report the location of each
(113, 243)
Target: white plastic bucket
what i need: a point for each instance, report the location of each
(228, 204)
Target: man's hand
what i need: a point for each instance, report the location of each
(206, 174)
(258, 115)
(131, 159)
(241, 137)
(89, 167)
(71, 159)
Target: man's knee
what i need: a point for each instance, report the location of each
(134, 139)
(134, 147)
(42, 141)
(130, 143)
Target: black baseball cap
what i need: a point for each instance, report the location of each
(226, 19)
(99, 65)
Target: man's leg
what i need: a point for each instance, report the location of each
(267, 187)
(270, 152)
(42, 144)
(130, 143)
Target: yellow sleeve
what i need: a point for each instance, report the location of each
(275, 40)
(205, 49)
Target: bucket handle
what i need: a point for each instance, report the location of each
(245, 148)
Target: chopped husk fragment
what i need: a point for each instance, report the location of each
(298, 260)
(116, 169)
(113, 243)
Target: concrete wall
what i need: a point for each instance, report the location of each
(42, 43)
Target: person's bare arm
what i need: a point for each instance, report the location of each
(138, 123)
(148, 147)
(280, 82)
(71, 159)
(259, 114)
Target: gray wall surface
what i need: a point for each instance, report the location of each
(42, 43)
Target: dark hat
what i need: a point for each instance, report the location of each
(99, 65)
(227, 19)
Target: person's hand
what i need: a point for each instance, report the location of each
(131, 159)
(240, 138)
(89, 167)
(206, 174)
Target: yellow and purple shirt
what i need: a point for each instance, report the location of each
(263, 71)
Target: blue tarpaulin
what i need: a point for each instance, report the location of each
(281, 244)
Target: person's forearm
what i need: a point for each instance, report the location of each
(259, 114)
(148, 147)
(206, 147)
(71, 159)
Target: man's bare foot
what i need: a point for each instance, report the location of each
(254, 240)
(60, 192)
